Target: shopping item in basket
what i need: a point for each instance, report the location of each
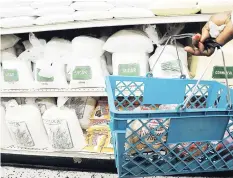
(148, 128)
(192, 129)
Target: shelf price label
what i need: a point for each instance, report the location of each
(43, 79)
(82, 73)
(10, 75)
(129, 69)
(219, 72)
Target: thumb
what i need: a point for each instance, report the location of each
(205, 33)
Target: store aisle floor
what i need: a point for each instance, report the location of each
(12, 172)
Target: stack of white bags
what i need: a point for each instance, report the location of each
(24, 126)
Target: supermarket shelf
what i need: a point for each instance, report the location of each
(112, 22)
(60, 154)
(54, 92)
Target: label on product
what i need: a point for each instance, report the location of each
(20, 133)
(43, 79)
(219, 72)
(82, 73)
(129, 69)
(58, 133)
(10, 75)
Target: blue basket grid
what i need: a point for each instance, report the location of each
(155, 142)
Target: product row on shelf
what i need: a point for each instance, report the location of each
(56, 125)
(19, 13)
(85, 61)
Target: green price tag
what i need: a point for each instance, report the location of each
(129, 69)
(219, 72)
(82, 73)
(43, 79)
(10, 75)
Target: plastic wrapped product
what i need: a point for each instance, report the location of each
(49, 74)
(84, 107)
(22, 21)
(6, 139)
(214, 6)
(17, 74)
(25, 125)
(131, 12)
(86, 72)
(8, 41)
(54, 10)
(108, 146)
(54, 19)
(87, 47)
(50, 3)
(92, 15)
(92, 6)
(96, 138)
(63, 128)
(129, 41)
(45, 104)
(101, 116)
(169, 7)
(17, 11)
(168, 65)
(58, 50)
(133, 3)
(130, 64)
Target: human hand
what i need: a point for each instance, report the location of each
(222, 19)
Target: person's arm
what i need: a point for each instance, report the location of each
(224, 37)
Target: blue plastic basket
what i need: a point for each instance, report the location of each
(152, 142)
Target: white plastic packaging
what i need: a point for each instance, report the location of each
(84, 107)
(63, 129)
(6, 139)
(92, 15)
(49, 74)
(131, 12)
(25, 125)
(130, 64)
(17, 74)
(170, 7)
(54, 10)
(92, 6)
(17, 11)
(215, 6)
(8, 41)
(168, 65)
(58, 50)
(86, 72)
(21, 21)
(129, 41)
(50, 3)
(54, 19)
(87, 47)
(133, 3)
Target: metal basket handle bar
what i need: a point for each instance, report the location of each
(173, 38)
(194, 90)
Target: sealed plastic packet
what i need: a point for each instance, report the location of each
(96, 138)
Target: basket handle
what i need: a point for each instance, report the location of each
(172, 38)
(194, 90)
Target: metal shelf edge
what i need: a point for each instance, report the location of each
(105, 23)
